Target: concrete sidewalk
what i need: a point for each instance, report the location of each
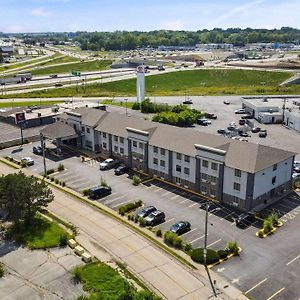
(101, 235)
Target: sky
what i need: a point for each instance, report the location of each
(145, 15)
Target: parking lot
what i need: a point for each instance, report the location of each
(265, 267)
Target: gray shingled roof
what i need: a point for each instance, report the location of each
(90, 116)
(58, 130)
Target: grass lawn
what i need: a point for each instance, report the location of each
(58, 60)
(103, 282)
(193, 82)
(41, 235)
(27, 103)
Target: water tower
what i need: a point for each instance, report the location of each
(140, 83)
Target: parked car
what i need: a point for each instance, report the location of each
(108, 164)
(240, 111)
(227, 102)
(247, 117)
(28, 161)
(98, 192)
(221, 131)
(244, 134)
(296, 176)
(155, 217)
(242, 122)
(211, 116)
(37, 150)
(296, 166)
(263, 133)
(122, 169)
(244, 220)
(203, 122)
(181, 227)
(145, 211)
(231, 128)
(211, 206)
(255, 129)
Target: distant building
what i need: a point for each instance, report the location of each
(6, 49)
(208, 47)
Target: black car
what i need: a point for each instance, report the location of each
(247, 117)
(202, 122)
(231, 128)
(122, 169)
(244, 220)
(99, 192)
(263, 133)
(211, 116)
(211, 206)
(187, 101)
(37, 150)
(221, 131)
(155, 217)
(181, 227)
(145, 212)
(242, 122)
(244, 134)
(255, 129)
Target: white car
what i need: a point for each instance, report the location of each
(296, 176)
(28, 161)
(232, 124)
(108, 164)
(240, 111)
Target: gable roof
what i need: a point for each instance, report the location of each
(58, 130)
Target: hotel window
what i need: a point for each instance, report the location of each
(162, 163)
(155, 161)
(187, 171)
(104, 145)
(213, 179)
(236, 186)
(116, 148)
(178, 156)
(121, 140)
(82, 129)
(237, 173)
(186, 158)
(204, 176)
(178, 168)
(155, 149)
(203, 188)
(115, 138)
(204, 163)
(273, 180)
(214, 166)
(87, 130)
(275, 167)
(104, 134)
(134, 144)
(212, 192)
(121, 150)
(162, 151)
(141, 145)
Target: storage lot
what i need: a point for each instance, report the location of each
(265, 267)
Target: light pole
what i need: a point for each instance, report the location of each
(126, 99)
(205, 250)
(43, 149)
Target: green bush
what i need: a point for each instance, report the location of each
(1, 270)
(211, 256)
(222, 254)
(103, 182)
(177, 242)
(23, 164)
(136, 106)
(273, 218)
(63, 183)
(56, 180)
(267, 227)
(261, 233)
(76, 274)
(50, 171)
(158, 232)
(129, 207)
(232, 247)
(63, 240)
(136, 180)
(85, 192)
(52, 178)
(173, 239)
(136, 219)
(142, 222)
(187, 248)
(61, 167)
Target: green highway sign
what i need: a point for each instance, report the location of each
(76, 73)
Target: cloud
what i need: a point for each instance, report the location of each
(40, 12)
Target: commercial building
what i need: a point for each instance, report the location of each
(245, 175)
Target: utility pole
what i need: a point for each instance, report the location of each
(126, 99)
(43, 149)
(283, 109)
(205, 250)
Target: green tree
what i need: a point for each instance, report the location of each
(22, 196)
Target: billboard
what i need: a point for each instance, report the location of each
(20, 118)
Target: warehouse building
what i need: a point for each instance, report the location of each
(244, 175)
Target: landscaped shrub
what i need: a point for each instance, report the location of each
(76, 274)
(173, 239)
(136, 106)
(61, 167)
(158, 232)
(129, 207)
(223, 254)
(260, 233)
(1, 270)
(103, 182)
(52, 179)
(23, 164)
(267, 227)
(211, 256)
(177, 242)
(63, 183)
(187, 248)
(136, 180)
(63, 240)
(85, 192)
(142, 222)
(232, 247)
(50, 171)
(136, 219)
(273, 218)
(56, 180)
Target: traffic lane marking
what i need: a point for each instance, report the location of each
(276, 293)
(255, 286)
(291, 261)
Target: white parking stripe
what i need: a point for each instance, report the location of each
(213, 243)
(226, 216)
(157, 190)
(197, 239)
(189, 231)
(184, 200)
(113, 199)
(120, 204)
(169, 220)
(193, 205)
(166, 193)
(174, 197)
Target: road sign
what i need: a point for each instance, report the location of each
(76, 73)
(20, 118)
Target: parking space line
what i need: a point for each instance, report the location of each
(157, 190)
(189, 231)
(174, 197)
(166, 193)
(291, 261)
(213, 243)
(255, 286)
(276, 293)
(168, 220)
(120, 204)
(183, 201)
(227, 216)
(197, 239)
(193, 205)
(113, 199)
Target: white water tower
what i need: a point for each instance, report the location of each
(140, 83)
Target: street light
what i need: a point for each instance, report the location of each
(43, 149)
(126, 99)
